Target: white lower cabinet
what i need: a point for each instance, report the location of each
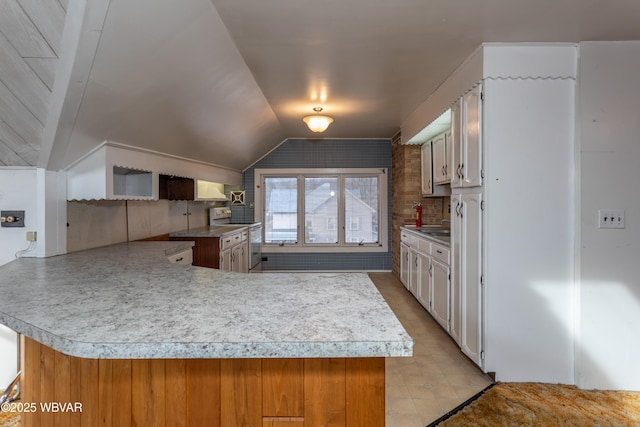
(466, 211)
(426, 271)
(239, 260)
(447, 281)
(440, 293)
(225, 260)
(404, 264)
(424, 280)
(414, 272)
(234, 253)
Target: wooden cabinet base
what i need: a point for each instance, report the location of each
(71, 391)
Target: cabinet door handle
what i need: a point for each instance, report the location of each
(439, 251)
(179, 259)
(431, 270)
(444, 171)
(462, 170)
(429, 185)
(416, 261)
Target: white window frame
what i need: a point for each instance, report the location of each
(383, 220)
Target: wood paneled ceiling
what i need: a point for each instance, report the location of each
(30, 43)
(225, 82)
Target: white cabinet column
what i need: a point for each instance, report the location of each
(467, 276)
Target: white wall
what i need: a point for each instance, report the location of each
(609, 268)
(42, 195)
(18, 189)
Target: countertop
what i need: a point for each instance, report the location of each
(128, 301)
(209, 231)
(424, 232)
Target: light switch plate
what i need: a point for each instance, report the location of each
(610, 218)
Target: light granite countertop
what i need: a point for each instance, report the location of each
(424, 232)
(128, 301)
(209, 231)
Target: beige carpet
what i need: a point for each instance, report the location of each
(549, 405)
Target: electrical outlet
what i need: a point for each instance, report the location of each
(31, 236)
(12, 218)
(610, 218)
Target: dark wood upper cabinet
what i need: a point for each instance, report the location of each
(176, 188)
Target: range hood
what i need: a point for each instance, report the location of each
(207, 190)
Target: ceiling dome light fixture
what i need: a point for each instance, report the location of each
(317, 122)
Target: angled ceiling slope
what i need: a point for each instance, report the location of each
(30, 44)
(224, 82)
(167, 77)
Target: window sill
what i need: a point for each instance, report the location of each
(272, 248)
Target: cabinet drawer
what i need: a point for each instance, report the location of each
(184, 257)
(440, 253)
(424, 245)
(408, 239)
(231, 240)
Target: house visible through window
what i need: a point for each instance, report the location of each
(308, 209)
(331, 223)
(281, 217)
(354, 223)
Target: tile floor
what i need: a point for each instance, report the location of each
(437, 378)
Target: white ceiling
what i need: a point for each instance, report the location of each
(225, 81)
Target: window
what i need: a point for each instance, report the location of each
(281, 207)
(321, 209)
(314, 210)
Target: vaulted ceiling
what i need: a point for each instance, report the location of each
(225, 82)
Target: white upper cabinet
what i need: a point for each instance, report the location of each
(110, 173)
(441, 158)
(447, 157)
(466, 130)
(456, 150)
(114, 171)
(427, 169)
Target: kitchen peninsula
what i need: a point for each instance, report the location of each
(140, 341)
